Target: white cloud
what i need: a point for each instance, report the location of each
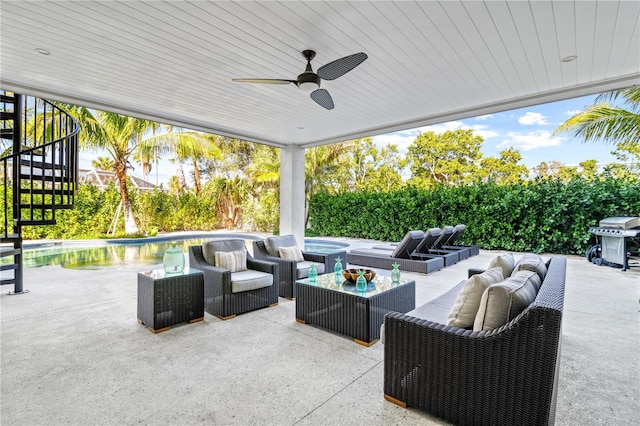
(573, 112)
(401, 139)
(484, 117)
(443, 127)
(531, 118)
(484, 131)
(404, 138)
(531, 140)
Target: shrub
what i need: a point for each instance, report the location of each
(544, 215)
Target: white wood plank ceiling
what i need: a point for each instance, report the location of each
(429, 61)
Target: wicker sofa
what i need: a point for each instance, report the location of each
(505, 376)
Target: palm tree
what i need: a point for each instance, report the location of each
(263, 171)
(610, 123)
(102, 163)
(322, 167)
(195, 147)
(186, 145)
(230, 193)
(121, 137)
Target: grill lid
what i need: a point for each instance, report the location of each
(620, 222)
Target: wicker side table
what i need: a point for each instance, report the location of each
(168, 299)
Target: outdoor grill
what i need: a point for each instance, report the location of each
(614, 234)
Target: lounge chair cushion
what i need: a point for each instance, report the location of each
(273, 244)
(234, 261)
(250, 280)
(501, 302)
(210, 248)
(304, 266)
(464, 310)
(293, 253)
(504, 261)
(531, 262)
(401, 249)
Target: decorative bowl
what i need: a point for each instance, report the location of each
(352, 274)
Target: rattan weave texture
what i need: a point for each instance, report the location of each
(288, 267)
(165, 300)
(219, 300)
(347, 312)
(506, 376)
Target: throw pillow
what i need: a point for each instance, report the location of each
(273, 244)
(504, 261)
(234, 261)
(531, 262)
(292, 253)
(463, 312)
(503, 301)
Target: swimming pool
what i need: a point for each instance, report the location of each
(94, 255)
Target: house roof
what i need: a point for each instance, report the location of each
(102, 178)
(428, 62)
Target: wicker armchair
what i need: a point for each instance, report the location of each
(292, 270)
(506, 376)
(227, 293)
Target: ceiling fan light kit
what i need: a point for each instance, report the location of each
(309, 81)
(308, 86)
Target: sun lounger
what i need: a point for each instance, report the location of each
(439, 245)
(401, 254)
(450, 244)
(426, 250)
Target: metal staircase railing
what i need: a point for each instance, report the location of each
(38, 172)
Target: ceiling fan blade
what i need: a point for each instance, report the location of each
(263, 80)
(322, 98)
(341, 66)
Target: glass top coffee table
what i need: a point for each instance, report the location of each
(338, 306)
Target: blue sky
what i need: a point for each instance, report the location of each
(530, 130)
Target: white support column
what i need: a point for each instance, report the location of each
(292, 174)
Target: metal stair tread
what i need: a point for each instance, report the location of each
(9, 252)
(8, 266)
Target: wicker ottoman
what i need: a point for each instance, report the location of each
(337, 306)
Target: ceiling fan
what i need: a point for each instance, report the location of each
(309, 81)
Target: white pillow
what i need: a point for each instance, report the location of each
(463, 312)
(531, 262)
(292, 253)
(504, 261)
(503, 301)
(234, 261)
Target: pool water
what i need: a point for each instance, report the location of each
(74, 255)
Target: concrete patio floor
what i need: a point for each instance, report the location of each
(74, 353)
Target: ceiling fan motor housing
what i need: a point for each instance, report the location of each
(308, 81)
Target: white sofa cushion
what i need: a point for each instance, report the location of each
(250, 279)
(504, 261)
(531, 262)
(503, 301)
(463, 312)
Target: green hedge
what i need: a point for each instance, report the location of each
(542, 216)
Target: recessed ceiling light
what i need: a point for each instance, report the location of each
(43, 51)
(569, 58)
